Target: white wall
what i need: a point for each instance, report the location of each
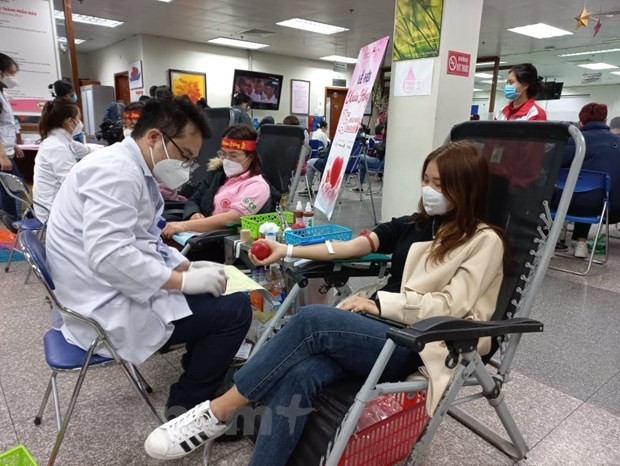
(158, 54)
(102, 64)
(567, 108)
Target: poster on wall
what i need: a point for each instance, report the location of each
(190, 83)
(300, 97)
(413, 77)
(27, 36)
(135, 75)
(368, 63)
(417, 29)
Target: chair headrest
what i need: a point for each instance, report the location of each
(282, 131)
(35, 251)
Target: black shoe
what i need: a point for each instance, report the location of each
(560, 246)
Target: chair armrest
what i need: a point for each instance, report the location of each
(200, 241)
(453, 329)
(367, 266)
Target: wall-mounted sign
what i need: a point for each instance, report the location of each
(587, 78)
(458, 63)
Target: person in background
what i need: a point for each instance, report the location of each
(109, 263)
(64, 90)
(270, 91)
(268, 120)
(163, 93)
(58, 152)
(614, 125)
(202, 104)
(602, 155)
(144, 99)
(130, 117)
(522, 85)
(152, 90)
(321, 134)
(456, 271)
(115, 110)
(259, 91)
(11, 209)
(317, 164)
(474, 117)
(242, 104)
(233, 187)
(375, 160)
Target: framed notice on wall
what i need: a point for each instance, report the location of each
(300, 97)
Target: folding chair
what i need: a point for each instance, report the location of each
(14, 186)
(62, 356)
(520, 205)
(282, 152)
(589, 181)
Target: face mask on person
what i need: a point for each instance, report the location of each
(127, 132)
(170, 172)
(10, 81)
(74, 98)
(434, 202)
(232, 168)
(510, 92)
(78, 128)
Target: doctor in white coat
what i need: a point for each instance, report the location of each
(58, 152)
(109, 263)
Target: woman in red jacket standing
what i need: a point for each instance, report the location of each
(522, 84)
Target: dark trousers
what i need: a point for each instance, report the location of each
(9, 205)
(213, 334)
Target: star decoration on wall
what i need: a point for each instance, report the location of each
(582, 19)
(597, 27)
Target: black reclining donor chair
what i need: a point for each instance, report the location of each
(524, 160)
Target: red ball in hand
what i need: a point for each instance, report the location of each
(260, 250)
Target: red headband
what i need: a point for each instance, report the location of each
(240, 144)
(131, 115)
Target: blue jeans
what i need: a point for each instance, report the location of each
(319, 346)
(212, 334)
(373, 164)
(9, 205)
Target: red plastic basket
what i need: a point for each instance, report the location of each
(390, 440)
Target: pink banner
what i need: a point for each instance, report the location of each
(368, 62)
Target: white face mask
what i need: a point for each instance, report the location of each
(232, 168)
(127, 132)
(170, 172)
(78, 129)
(434, 202)
(10, 81)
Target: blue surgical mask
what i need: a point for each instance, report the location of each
(510, 91)
(75, 99)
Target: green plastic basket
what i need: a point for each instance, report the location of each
(18, 456)
(253, 222)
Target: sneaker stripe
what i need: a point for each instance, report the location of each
(195, 441)
(203, 436)
(186, 447)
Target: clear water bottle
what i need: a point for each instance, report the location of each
(275, 282)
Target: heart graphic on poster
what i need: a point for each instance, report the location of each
(334, 174)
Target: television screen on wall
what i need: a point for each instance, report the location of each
(550, 90)
(263, 88)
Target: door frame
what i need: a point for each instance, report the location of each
(328, 90)
(116, 75)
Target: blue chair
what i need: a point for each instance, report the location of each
(62, 356)
(14, 186)
(589, 181)
(315, 147)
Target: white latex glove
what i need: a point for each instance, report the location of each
(204, 279)
(204, 264)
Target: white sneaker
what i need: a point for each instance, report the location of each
(184, 434)
(581, 249)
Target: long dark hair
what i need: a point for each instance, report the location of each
(464, 174)
(246, 133)
(55, 113)
(526, 73)
(6, 63)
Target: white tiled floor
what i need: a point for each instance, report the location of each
(565, 395)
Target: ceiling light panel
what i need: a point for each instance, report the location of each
(489, 63)
(94, 20)
(540, 31)
(590, 52)
(339, 58)
(615, 72)
(63, 40)
(311, 26)
(598, 66)
(243, 44)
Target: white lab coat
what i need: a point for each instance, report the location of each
(57, 154)
(106, 256)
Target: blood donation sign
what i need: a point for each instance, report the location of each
(27, 36)
(368, 62)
